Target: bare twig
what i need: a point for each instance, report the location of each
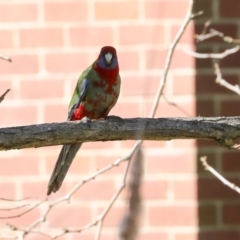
(24, 212)
(218, 175)
(213, 55)
(15, 200)
(224, 83)
(5, 58)
(188, 18)
(14, 208)
(176, 106)
(3, 96)
(204, 35)
(225, 38)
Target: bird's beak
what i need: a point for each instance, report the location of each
(108, 57)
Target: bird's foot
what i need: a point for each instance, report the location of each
(86, 120)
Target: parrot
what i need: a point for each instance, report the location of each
(96, 93)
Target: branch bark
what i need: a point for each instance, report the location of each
(223, 130)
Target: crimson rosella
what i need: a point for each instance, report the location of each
(95, 95)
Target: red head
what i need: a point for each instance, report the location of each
(107, 63)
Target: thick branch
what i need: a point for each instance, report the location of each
(222, 129)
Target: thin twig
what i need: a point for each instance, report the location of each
(3, 96)
(225, 38)
(14, 208)
(5, 58)
(218, 175)
(15, 200)
(176, 106)
(213, 55)
(188, 18)
(224, 83)
(24, 212)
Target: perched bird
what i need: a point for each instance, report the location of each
(95, 95)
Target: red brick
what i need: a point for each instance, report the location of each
(183, 143)
(28, 166)
(207, 214)
(91, 36)
(131, 35)
(18, 115)
(80, 165)
(41, 37)
(103, 161)
(230, 161)
(155, 189)
(230, 108)
(6, 39)
(116, 10)
(114, 216)
(18, 12)
(169, 163)
(67, 215)
(206, 84)
(37, 189)
(66, 11)
(227, 29)
(186, 236)
(126, 110)
(146, 85)
(128, 60)
(26, 219)
(206, 108)
(187, 37)
(21, 64)
(4, 85)
(185, 189)
(231, 61)
(155, 59)
(219, 234)
(173, 216)
(98, 145)
(41, 89)
(66, 62)
(205, 6)
(184, 108)
(229, 10)
(96, 190)
(55, 113)
(230, 214)
(212, 188)
(8, 189)
(153, 236)
(177, 60)
(183, 85)
(165, 9)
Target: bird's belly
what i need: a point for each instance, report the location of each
(99, 105)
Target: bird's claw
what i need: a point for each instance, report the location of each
(86, 120)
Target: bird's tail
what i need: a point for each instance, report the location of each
(62, 165)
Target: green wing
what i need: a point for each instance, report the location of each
(79, 92)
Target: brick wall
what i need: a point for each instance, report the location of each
(218, 205)
(51, 42)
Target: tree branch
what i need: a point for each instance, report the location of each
(222, 129)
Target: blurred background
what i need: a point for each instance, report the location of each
(50, 43)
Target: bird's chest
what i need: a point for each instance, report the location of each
(100, 98)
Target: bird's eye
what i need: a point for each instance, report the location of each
(108, 57)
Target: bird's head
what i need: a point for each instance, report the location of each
(107, 58)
